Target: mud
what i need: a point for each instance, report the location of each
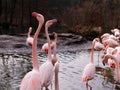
(66, 42)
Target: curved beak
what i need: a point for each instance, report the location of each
(104, 61)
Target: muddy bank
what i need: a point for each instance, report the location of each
(66, 42)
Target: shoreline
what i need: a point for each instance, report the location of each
(65, 42)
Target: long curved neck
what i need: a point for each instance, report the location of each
(55, 46)
(34, 47)
(30, 30)
(92, 52)
(48, 40)
(117, 65)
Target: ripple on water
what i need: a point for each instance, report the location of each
(13, 67)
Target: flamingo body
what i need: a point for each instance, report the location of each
(31, 81)
(99, 46)
(29, 41)
(89, 72)
(46, 73)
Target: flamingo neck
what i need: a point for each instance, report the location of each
(56, 81)
(49, 47)
(34, 48)
(117, 65)
(55, 46)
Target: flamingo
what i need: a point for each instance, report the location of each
(31, 80)
(55, 63)
(116, 61)
(89, 70)
(111, 63)
(46, 70)
(99, 46)
(29, 40)
(54, 60)
(116, 32)
(45, 47)
(105, 35)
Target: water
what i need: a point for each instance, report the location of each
(13, 67)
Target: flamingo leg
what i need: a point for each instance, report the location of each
(87, 85)
(98, 57)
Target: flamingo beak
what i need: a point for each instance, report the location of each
(104, 61)
(54, 21)
(34, 14)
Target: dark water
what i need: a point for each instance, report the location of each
(13, 67)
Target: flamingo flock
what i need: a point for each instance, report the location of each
(41, 76)
(111, 48)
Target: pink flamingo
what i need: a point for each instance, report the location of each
(116, 32)
(55, 63)
(99, 46)
(116, 61)
(46, 70)
(45, 47)
(89, 70)
(54, 60)
(31, 80)
(29, 40)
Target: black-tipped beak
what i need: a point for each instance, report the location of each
(104, 62)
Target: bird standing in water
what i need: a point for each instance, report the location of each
(89, 70)
(31, 80)
(46, 70)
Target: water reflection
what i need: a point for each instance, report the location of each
(13, 67)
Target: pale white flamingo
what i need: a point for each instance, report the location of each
(116, 32)
(99, 46)
(116, 61)
(46, 70)
(29, 40)
(111, 63)
(89, 70)
(105, 35)
(55, 63)
(31, 80)
(45, 47)
(111, 43)
(109, 39)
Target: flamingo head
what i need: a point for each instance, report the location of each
(55, 35)
(30, 29)
(50, 22)
(39, 17)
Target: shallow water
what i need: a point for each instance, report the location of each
(13, 67)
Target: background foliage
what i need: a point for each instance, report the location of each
(76, 16)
